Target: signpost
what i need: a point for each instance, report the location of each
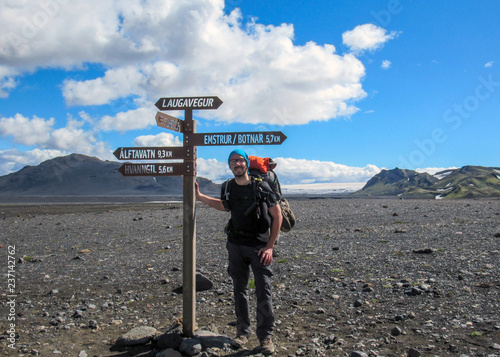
(187, 169)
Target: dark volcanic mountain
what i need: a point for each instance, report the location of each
(466, 182)
(80, 175)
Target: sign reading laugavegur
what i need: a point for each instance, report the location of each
(188, 103)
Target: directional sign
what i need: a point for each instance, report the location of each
(250, 138)
(188, 103)
(169, 122)
(154, 153)
(174, 169)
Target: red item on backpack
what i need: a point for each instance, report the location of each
(259, 163)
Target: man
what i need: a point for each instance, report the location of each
(246, 250)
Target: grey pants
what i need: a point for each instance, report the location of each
(241, 258)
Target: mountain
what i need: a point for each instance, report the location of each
(469, 182)
(80, 175)
(466, 182)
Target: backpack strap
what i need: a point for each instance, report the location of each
(276, 182)
(225, 197)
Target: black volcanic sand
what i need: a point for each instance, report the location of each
(371, 275)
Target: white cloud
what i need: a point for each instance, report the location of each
(489, 64)
(175, 48)
(130, 120)
(386, 64)
(296, 171)
(7, 80)
(162, 139)
(14, 160)
(212, 169)
(40, 133)
(367, 37)
(314, 171)
(116, 83)
(434, 170)
(35, 131)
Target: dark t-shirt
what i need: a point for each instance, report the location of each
(243, 228)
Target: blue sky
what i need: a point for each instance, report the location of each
(357, 86)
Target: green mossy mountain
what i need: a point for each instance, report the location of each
(466, 182)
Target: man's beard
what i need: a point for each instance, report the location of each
(239, 173)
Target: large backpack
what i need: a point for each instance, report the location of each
(262, 170)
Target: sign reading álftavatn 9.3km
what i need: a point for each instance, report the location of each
(187, 169)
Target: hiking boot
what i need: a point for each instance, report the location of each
(241, 341)
(267, 347)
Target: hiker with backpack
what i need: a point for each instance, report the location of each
(253, 206)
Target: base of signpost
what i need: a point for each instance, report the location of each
(189, 258)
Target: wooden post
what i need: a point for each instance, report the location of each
(189, 234)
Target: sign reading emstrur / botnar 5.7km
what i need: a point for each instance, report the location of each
(241, 138)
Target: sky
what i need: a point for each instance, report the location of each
(356, 86)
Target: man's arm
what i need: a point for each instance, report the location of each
(266, 253)
(211, 201)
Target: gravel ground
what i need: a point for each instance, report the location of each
(386, 277)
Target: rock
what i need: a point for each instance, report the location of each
(169, 340)
(357, 303)
(83, 354)
(396, 331)
(358, 354)
(190, 347)
(423, 251)
(330, 340)
(93, 325)
(78, 314)
(169, 353)
(213, 340)
(202, 284)
(413, 353)
(137, 336)
(367, 288)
